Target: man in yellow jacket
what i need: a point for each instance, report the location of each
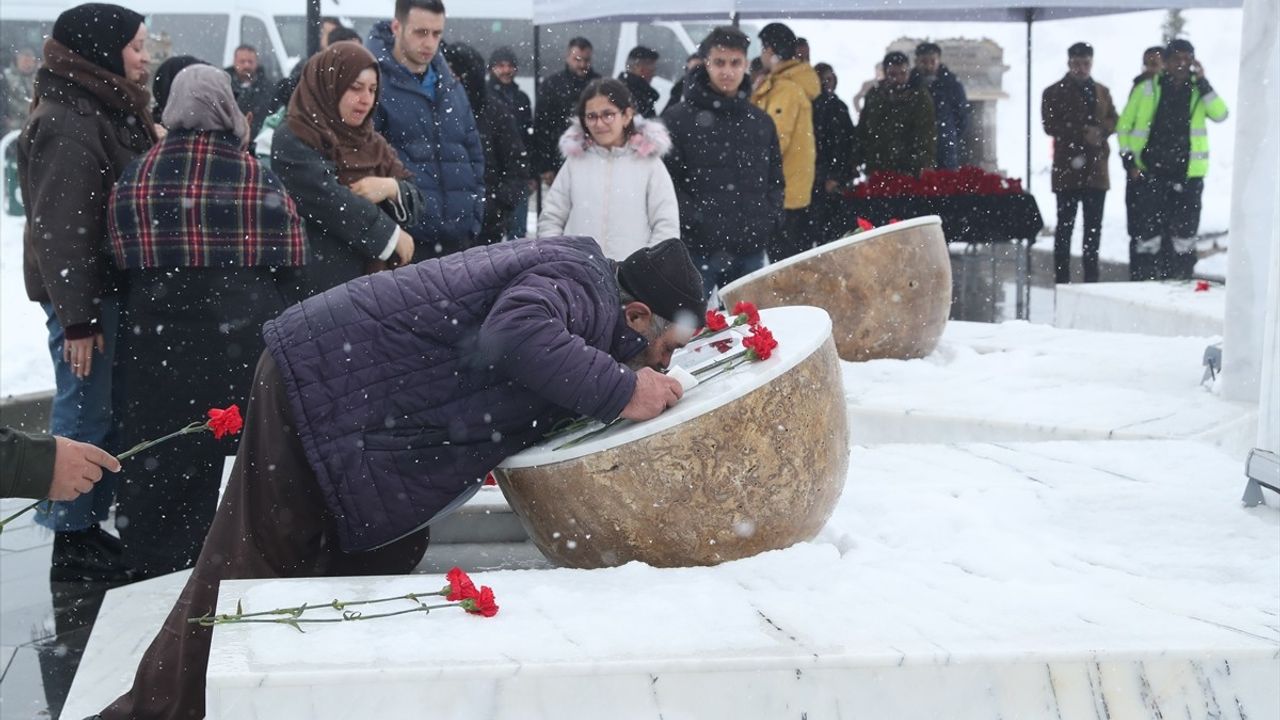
(786, 94)
(1164, 145)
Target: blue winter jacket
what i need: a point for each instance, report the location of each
(438, 142)
(407, 386)
(950, 111)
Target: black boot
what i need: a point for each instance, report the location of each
(90, 555)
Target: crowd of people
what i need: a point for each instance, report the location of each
(179, 271)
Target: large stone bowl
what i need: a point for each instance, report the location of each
(749, 461)
(888, 289)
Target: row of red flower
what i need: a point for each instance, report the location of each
(967, 180)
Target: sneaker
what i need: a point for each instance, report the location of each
(90, 555)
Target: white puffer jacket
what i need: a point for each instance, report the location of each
(622, 197)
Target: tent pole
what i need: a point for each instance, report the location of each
(537, 74)
(1030, 16)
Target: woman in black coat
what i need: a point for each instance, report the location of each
(351, 189)
(506, 163)
(206, 238)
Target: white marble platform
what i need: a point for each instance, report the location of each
(1072, 580)
(1170, 308)
(1017, 382)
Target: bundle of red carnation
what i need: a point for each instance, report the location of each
(968, 180)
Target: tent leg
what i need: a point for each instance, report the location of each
(537, 74)
(1030, 16)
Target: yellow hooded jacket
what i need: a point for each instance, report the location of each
(787, 95)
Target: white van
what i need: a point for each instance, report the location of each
(277, 28)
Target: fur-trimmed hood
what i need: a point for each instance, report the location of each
(650, 139)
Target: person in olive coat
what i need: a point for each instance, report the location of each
(896, 129)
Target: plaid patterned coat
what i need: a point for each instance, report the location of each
(197, 200)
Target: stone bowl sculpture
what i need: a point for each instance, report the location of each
(888, 289)
(751, 460)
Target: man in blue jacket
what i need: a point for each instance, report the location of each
(950, 104)
(424, 113)
(380, 405)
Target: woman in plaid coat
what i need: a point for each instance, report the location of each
(210, 244)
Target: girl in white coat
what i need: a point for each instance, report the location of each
(613, 186)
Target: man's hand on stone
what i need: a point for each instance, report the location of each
(654, 393)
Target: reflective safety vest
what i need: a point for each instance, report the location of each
(1135, 123)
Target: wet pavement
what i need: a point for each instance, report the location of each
(44, 626)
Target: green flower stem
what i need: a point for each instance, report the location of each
(583, 438)
(718, 363)
(296, 622)
(743, 359)
(196, 426)
(21, 512)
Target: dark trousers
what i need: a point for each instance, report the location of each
(272, 523)
(1164, 218)
(795, 237)
(722, 267)
(1068, 202)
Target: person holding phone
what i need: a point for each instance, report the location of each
(1164, 144)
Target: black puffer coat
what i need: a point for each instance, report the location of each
(727, 169)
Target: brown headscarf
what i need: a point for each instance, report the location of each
(115, 91)
(313, 115)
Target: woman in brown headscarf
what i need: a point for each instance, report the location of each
(350, 187)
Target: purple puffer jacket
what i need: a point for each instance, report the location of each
(408, 386)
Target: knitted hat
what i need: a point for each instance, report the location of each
(503, 54)
(98, 32)
(664, 277)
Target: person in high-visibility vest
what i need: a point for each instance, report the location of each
(1164, 145)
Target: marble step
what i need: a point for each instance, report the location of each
(1064, 580)
(131, 615)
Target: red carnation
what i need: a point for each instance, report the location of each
(225, 422)
(716, 321)
(1202, 286)
(481, 603)
(749, 309)
(865, 224)
(490, 479)
(760, 342)
(460, 586)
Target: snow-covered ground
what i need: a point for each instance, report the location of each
(995, 571)
(854, 47)
(24, 352)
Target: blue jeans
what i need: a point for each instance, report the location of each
(519, 226)
(82, 411)
(721, 268)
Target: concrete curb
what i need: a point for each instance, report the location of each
(29, 412)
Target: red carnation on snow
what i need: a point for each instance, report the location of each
(1202, 286)
(460, 585)
(482, 603)
(865, 225)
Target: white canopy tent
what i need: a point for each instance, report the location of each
(546, 12)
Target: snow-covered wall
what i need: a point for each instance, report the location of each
(1255, 226)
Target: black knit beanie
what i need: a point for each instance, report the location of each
(98, 32)
(664, 277)
(503, 54)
